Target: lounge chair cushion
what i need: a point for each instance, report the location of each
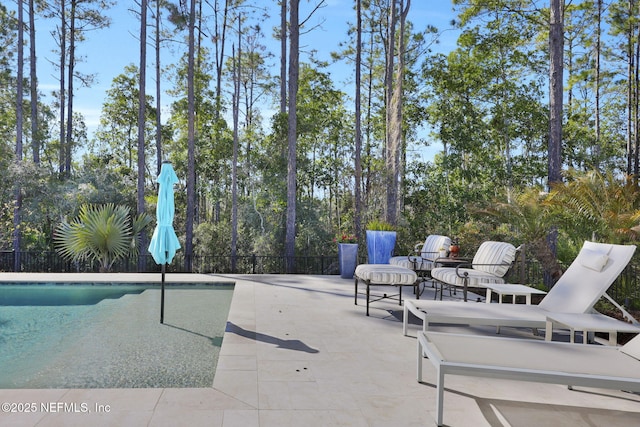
(430, 250)
(594, 260)
(497, 258)
(476, 278)
(386, 274)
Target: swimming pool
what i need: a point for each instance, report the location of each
(109, 335)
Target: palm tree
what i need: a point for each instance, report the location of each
(590, 206)
(598, 206)
(105, 233)
(529, 215)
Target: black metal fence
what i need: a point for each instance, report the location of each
(625, 290)
(51, 262)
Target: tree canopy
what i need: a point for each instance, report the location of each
(483, 108)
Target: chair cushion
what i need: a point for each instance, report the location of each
(594, 260)
(433, 244)
(430, 250)
(494, 253)
(386, 274)
(476, 278)
(413, 262)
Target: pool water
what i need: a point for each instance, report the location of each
(110, 336)
(61, 294)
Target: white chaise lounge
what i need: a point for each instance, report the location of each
(528, 360)
(580, 287)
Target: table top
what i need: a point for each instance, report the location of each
(592, 321)
(513, 289)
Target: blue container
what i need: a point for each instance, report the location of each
(380, 245)
(348, 257)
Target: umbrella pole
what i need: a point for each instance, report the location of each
(162, 295)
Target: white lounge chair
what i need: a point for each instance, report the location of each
(529, 360)
(580, 287)
(490, 264)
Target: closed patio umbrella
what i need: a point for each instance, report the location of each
(164, 242)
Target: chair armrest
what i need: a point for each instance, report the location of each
(472, 265)
(464, 274)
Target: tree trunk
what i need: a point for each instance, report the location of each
(394, 78)
(369, 122)
(142, 113)
(158, 93)
(35, 136)
(358, 128)
(63, 67)
(290, 235)
(191, 145)
(556, 50)
(17, 208)
(283, 56)
(636, 102)
(597, 147)
(72, 63)
(389, 151)
(544, 254)
(234, 164)
(630, 145)
(219, 44)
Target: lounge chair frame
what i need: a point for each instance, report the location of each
(577, 291)
(525, 360)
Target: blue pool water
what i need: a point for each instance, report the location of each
(63, 294)
(109, 336)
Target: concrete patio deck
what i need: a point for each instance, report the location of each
(298, 352)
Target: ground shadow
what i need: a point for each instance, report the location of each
(347, 293)
(296, 345)
(522, 413)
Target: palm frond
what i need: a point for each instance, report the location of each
(100, 232)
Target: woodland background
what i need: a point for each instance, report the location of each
(533, 115)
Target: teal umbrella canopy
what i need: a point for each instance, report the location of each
(164, 242)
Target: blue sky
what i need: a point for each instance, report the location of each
(106, 52)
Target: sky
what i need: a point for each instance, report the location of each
(106, 52)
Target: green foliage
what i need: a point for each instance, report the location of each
(598, 206)
(380, 225)
(117, 136)
(102, 233)
(526, 213)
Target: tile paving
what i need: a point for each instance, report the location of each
(298, 352)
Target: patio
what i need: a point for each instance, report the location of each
(298, 352)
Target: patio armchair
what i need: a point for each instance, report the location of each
(422, 260)
(490, 264)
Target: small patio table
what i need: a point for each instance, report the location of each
(512, 289)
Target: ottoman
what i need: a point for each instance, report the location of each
(385, 275)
